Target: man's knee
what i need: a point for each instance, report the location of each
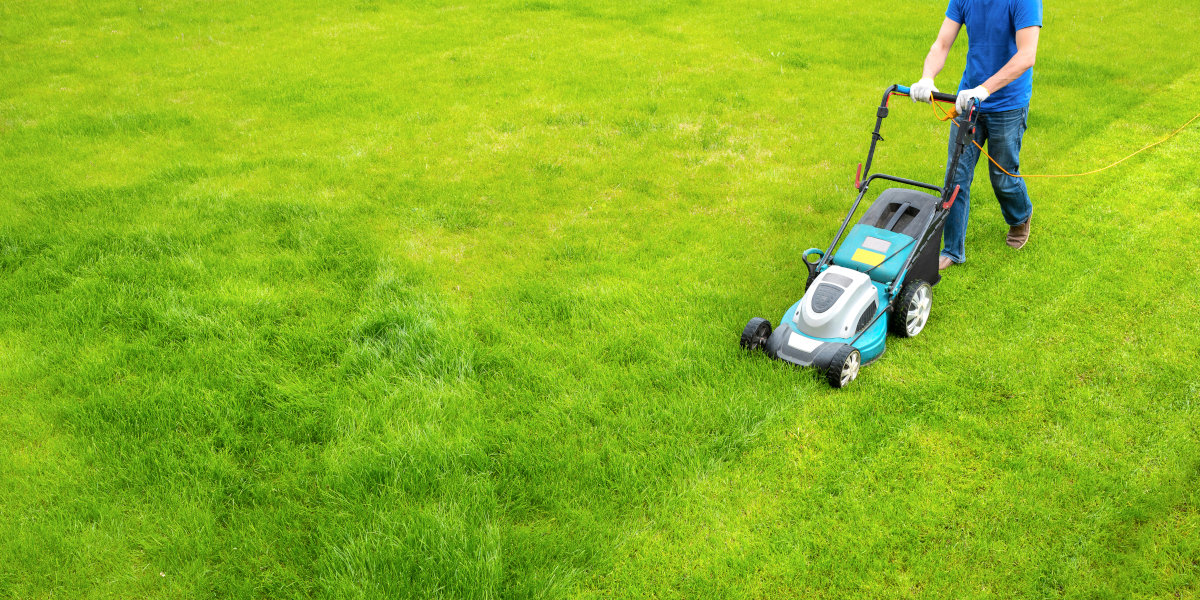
(1002, 179)
(1009, 189)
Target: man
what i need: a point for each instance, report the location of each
(1002, 37)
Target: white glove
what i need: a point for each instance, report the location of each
(979, 93)
(922, 90)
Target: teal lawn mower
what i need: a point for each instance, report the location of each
(886, 266)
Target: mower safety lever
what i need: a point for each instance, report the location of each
(953, 196)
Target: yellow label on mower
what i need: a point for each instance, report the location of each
(867, 257)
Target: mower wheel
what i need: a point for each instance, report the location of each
(911, 312)
(843, 367)
(755, 335)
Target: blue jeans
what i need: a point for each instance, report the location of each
(1003, 132)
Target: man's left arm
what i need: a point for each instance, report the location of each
(1027, 42)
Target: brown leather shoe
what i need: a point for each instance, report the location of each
(1018, 235)
(944, 263)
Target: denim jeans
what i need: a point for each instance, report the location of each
(1003, 132)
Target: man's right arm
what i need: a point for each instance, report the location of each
(936, 59)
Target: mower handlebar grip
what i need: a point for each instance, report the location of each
(945, 97)
(903, 89)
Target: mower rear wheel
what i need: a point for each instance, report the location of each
(911, 312)
(843, 367)
(755, 335)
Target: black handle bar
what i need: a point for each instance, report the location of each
(900, 89)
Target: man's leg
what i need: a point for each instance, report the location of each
(1006, 130)
(954, 237)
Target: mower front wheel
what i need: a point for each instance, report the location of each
(843, 367)
(755, 335)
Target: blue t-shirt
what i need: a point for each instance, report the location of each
(992, 41)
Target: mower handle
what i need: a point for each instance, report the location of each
(958, 144)
(903, 89)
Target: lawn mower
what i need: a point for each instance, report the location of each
(886, 265)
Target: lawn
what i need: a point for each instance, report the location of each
(433, 300)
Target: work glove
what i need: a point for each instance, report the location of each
(979, 93)
(922, 90)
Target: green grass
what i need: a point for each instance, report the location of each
(420, 300)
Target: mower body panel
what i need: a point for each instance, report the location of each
(839, 306)
(877, 252)
(835, 303)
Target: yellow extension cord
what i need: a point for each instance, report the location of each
(952, 113)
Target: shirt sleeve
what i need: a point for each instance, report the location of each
(1026, 13)
(954, 11)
